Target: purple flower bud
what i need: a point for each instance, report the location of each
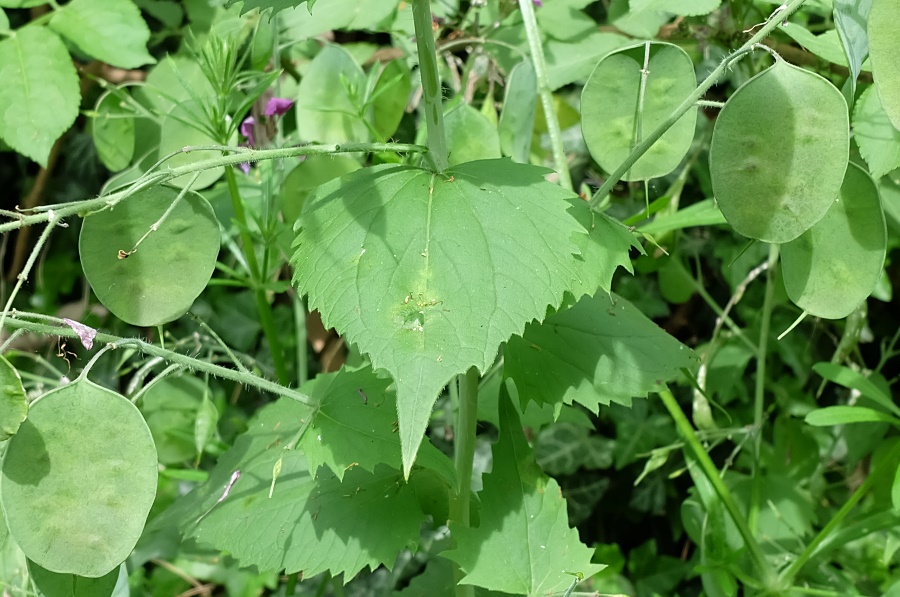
(278, 106)
(247, 129)
(245, 167)
(538, 3)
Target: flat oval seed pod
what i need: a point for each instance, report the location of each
(836, 264)
(158, 281)
(884, 50)
(615, 115)
(78, 480)
(778, 154)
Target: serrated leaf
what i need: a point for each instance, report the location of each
(13, 401)
(263, 5)
(878, 140)
(884, 44)
(350, 15)
(356, 426)
(605, 248)
(630, 93)
(428, 274)
(312, 522)
(523, 544)
(78, 480)
(598, 351)
(39, 95)
(111, 31)
(563, 448)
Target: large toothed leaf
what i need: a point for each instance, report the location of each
(598, 351)
(39, 92)
(311, 521)
(523, 544)
(428, 274)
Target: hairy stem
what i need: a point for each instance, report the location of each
(431, 84)
(540, 70)
(690, 102)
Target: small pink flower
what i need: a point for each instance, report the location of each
(538, 3)
(247, 129)
(278, 106)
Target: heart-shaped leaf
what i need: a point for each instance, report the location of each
(428, 274)
(779, 152)
(78, 480)
(155, 280)
(836, 264)
(629, 94)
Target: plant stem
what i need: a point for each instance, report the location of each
(26, 269)
(791, 571)
(431, 84)
(540, 70)
(709, 470)
(463, 457)
(18, 320)
(759, 394)
(239, 154)
(691, 101)
(266, 317)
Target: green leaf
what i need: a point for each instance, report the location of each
(39, 96)
(391, 94)
(895, 490)
(356, 426)
(573, 60)
(686, 8)
(13, 401)
(854, 380)
(170, 407)
(113, 130)
(644, 24)
(843, 415)
(600, 350)
(21, 3)
(563, 448)
(159, 281)
(176, 133)
(605, 248)
(176, 79)
(826, 46)
(884, 46)
(523, 544)
(837, 263)
(111, 31)
(55, 584)
(4, 21)
(79, 479)
(350, 15)
(309, 174)
(702, 213)
(329, 98)
(564, 19)
(205, 423)
(850, 17)
(620, 106)
(878, 140)
(312, 522)
(428, 274)
(470, 135)
(784, 115)
(516, 125)
(263, 5)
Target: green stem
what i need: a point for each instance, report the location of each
(431, 84)
(691, 101)
(709, 470)
(463, 457)
(759, 394)
(791, 571)
(540, 70)
(263, 308)
(18, 320)
(301, 339)
(26, 269)
(239, 155)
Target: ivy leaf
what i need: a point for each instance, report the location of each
(312, 522)
(39, 96)
(428, 274)
(356, 426)
(524, 544)
(601, 350)
(111, 31)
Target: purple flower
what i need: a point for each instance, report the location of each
(538, 3)
(278, 106)
(247, 130)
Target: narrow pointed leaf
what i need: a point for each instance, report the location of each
(884, 47)
(624, 100)
(428, 274)
(78, 480)
(844, 415)
(600, 350)
(113, 131)
(516, 125)
(523, 544)
(784, 115)
(39, 93)
(836, 264)
(850, 17)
